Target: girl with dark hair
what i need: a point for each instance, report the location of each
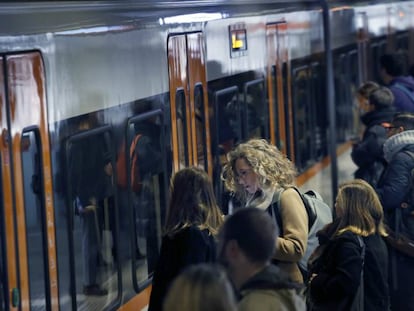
(193, 220)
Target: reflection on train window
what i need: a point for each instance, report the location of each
(257, 111)
(92, 207)
(181, 113)
(320, 127)
(228, 118)
(200, 126)
(287, 108)
(35, 218)
(343, 101)
(228, 131)
(148, 165)
(302, 117)
(274, 83)
(353, 85)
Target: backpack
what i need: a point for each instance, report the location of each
(121, 168)
(319, 215)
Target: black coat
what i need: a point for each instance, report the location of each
(394, 186)
(339, 273)
(367, 154)
(187, 247)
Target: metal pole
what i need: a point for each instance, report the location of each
(330, 96)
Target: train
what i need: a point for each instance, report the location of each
(205, 75)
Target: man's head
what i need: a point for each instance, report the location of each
(247, 243)
(381, 98)
(400, 123)
(392, 65)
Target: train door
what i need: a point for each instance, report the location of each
(188, 99)
(278, 82)
(28, 254)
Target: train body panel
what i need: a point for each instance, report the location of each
(194, 78)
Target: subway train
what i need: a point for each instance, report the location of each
(79, 81)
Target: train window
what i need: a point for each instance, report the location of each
(289, 130)
(35, 218)
(181, 113)
(200, 126)
(257, 111)
(274, 77)
(92, 210)
(228, 131)
(353, 85)
(403, 42)
(148, 198)
(320, 112)
(304, 132)
(228, 118)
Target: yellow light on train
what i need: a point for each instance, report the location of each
(236, 43)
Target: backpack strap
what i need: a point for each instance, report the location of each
(405, 90)
(274, 209)
(310, 212)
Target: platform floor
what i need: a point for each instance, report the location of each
(321, 182)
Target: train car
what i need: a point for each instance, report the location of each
(80, 79)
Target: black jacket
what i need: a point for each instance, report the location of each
(395, 184)
(367, 154)
(339, 273)
(187, 247)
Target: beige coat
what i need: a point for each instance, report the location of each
(291, 246)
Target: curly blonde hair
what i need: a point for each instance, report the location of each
(272, 167)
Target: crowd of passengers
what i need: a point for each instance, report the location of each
(246, 261)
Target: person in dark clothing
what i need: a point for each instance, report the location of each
(367, 153)
(91, 171)
(246, 246)
(193, 220)
(393, 70)
(149, 167)
(393, 190)
(339, 264)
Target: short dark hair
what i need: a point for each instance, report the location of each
(255, 232)
(367, 88)
(381, 98)
(404, 119)
(394, 64)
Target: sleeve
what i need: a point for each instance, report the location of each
(344, 277)
(394, 185)
(369, 149)
(292, 244)
(200, 248)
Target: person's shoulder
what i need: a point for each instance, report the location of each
(272, 299)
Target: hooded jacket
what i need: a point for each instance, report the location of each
(270, 290)
(395, 184)
(403, 102)
(368, 153)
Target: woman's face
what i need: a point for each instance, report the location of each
(246, 177)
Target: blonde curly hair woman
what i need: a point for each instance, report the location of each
(257, 173)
